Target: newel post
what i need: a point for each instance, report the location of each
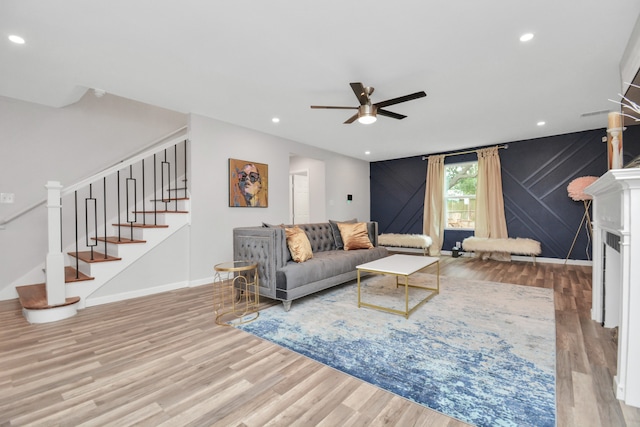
(54, 266)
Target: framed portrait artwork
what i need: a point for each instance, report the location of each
(248, 184)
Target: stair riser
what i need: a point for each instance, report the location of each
(118, 250)
(103, 272)
(125, 231)
(183, 205)
(100, 269)
(51, 314)
(170, 219)
(127, 252)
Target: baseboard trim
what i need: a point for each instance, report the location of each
(588, 263)
(90, 302)
(201, 282)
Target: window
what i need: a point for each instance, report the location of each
(460, 180)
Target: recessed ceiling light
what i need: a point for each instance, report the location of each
(16, 39)
(541, 123)
(275, 120)
(526, 37)
(367, 153)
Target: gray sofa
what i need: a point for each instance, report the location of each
(283, 279)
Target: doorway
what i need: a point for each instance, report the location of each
(299, 197)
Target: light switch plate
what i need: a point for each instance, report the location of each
(6, 197)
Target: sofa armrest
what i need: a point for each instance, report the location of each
(264, 246)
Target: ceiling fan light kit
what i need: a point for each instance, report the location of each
(367, 112)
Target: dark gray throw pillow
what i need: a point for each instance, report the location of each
(336, 231)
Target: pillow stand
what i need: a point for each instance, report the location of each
(337, 238)
(355, 236)
(298, 244)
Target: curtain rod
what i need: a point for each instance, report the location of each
(505, 146)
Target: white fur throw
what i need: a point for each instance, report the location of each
(405, 240)
(514, 246)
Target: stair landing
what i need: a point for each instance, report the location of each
(34, 297)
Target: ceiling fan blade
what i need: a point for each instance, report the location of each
(361, 93)
(333, 107)
(390, 114)
(400, 99)
(351, 119)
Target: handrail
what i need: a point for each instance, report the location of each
(135, 157)
(125, 163)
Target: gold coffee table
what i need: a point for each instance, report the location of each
(400, 266)
(238, 294)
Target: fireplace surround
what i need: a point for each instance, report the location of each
(616, 271)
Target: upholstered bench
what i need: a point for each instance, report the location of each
(517, 246)
(394, 240)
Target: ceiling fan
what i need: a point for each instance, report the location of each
(366, 110)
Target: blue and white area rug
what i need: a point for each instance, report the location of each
(481, 352)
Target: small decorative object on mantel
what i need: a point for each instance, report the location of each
(575, 189)
(614, 140)
(628, 105)
(248, 184)
(635, 163)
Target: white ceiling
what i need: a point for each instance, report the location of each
(246, 61)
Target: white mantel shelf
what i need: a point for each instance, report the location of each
(616, 271)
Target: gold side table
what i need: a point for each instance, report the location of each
(236, 291)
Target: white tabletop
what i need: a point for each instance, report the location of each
(398, 264)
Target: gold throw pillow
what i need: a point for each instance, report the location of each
(298, 244)
(354, 236)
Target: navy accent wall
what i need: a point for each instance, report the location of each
(535, 175)
(397, 194)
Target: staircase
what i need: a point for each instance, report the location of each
(102, 225)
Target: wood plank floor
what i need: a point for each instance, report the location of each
(162, 361)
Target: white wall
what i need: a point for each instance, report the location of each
(212, 144)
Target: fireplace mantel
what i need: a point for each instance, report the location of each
(616, 271)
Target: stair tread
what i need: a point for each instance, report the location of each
(137, 225)
(70, 275)
(97, 257)
(118, 241)
(34, 297)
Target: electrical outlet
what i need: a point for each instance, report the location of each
(6, 197)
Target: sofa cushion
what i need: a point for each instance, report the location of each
(298, 244)
(323, 265)
(336, 231)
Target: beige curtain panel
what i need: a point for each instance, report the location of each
(490, 219)
(433, 225)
